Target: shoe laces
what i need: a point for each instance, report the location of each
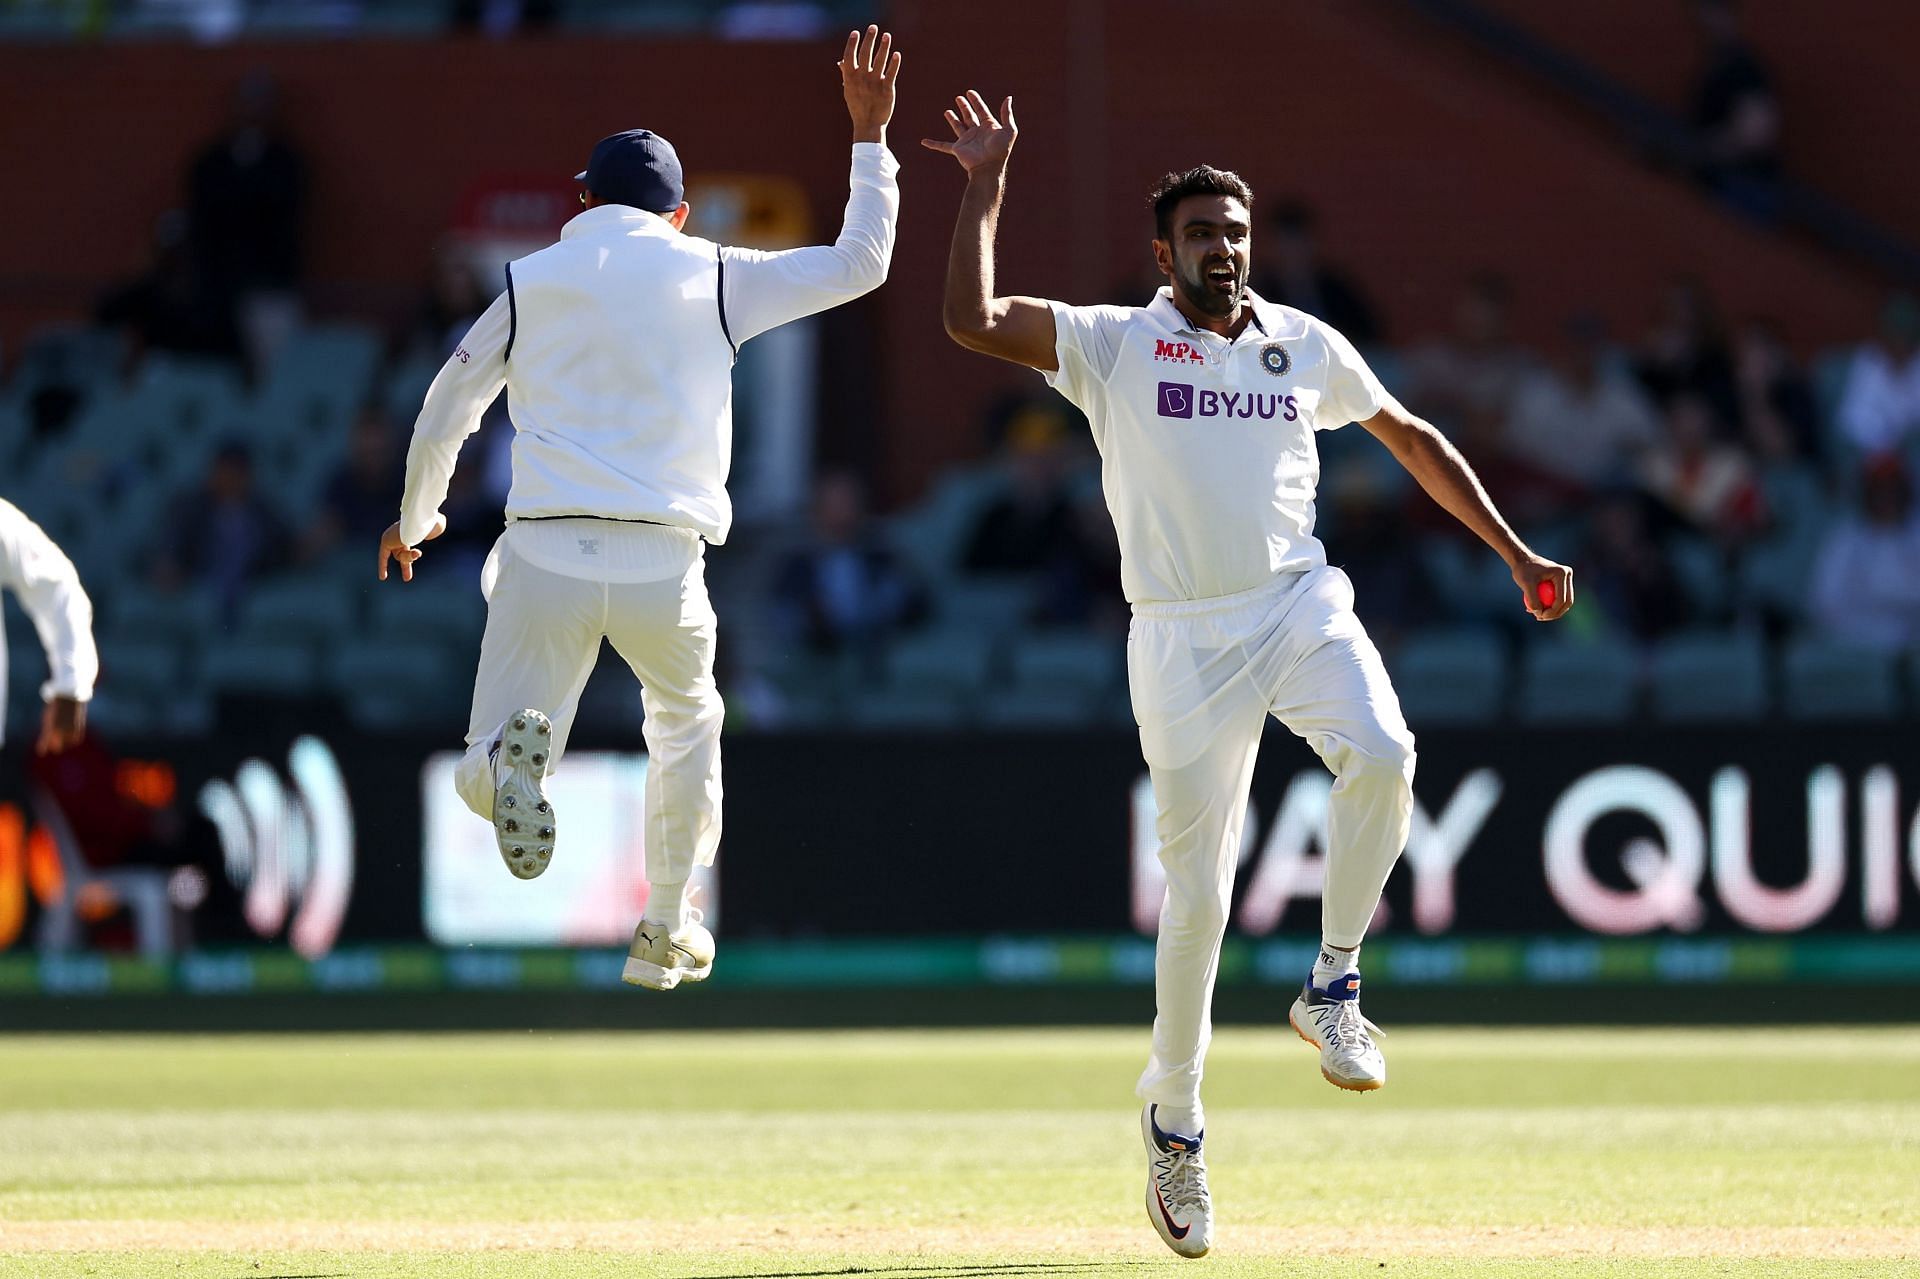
(1351, 1030)
(1183, 1179)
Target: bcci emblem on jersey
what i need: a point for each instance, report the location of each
(1275, 360)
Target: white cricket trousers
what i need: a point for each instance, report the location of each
(1204, 675)
(542, 640)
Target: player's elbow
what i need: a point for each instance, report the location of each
(971, 327)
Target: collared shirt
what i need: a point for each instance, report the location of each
(616, 347)
(42, 578)
(1206, 444)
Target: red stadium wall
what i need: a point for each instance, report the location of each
(1423, 168)
(1841, 71)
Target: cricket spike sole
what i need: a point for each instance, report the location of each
(1345, 1085)
(523, 818)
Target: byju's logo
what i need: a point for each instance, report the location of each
(1176, 399)
(1181, 399)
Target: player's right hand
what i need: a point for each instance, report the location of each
(869, 71)
(394, 548)
(1533, 574)
(979, 140)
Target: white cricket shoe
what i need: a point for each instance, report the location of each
(662, 959)
(1330, 1020)
(1178, 1203)
(522, 816)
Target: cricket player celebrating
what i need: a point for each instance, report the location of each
(42, 578)
(1204, 405)
(616, 346)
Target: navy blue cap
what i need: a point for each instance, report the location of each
(637, 168)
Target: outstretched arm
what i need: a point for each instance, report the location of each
(1014, 328)
(1546, 588)
(765, 290)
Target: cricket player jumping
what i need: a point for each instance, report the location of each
(1204, 405)
(43, 579)
(616, 346)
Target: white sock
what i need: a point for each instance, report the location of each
(1188, 1121)
(1333, 965)
(667, 904)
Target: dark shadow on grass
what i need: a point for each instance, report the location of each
(962, 1270)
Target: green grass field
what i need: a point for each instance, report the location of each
(942, 1155)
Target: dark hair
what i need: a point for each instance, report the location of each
(1203, 180)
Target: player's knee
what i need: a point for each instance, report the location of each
(1192, 918)
(1386, 760)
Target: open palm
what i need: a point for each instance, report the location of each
(978, 139)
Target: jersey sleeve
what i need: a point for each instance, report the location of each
(1353, 393)
(1086, 341)
(767, 289)
(44, 581)
(467, 383)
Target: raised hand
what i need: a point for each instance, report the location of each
(979, 140)
(869, 70)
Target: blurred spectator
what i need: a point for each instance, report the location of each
(173, 307)
(1686, 351)
(53, 403)
(846, 591)
(1037, 526)
(364, 494)
(453, 301)
(1778, 416)
(115, 827)
(499, 18)
(773, 20)
(1880, 404)
(1584, 418)
(209, 21)
(1473, 375)
(247, 202)
(1866, 584)
(224, 536)
(1374, 546)
(1625, 575)
(1294, 275)
(1704, 482)
(1736, 115)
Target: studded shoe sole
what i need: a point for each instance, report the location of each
(523, 820)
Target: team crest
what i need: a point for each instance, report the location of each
(1275, 360)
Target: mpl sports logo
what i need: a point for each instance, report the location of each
(1177, 352)
(1182, 400)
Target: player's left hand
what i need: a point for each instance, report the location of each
(62, 724)
(393, 548)
(1546, 588)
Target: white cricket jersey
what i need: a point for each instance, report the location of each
(42, 578)
(616, 346)
(1206, 445)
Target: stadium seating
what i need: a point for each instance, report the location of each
(261, 668)
(400, 686)
(1578, 682)
(1455, 676)
(1709, 676)
(951, 661)
(1825, 680)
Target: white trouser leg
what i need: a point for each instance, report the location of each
(1337, 696)
(542, 638)
(1200, 713)
(665, 631)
